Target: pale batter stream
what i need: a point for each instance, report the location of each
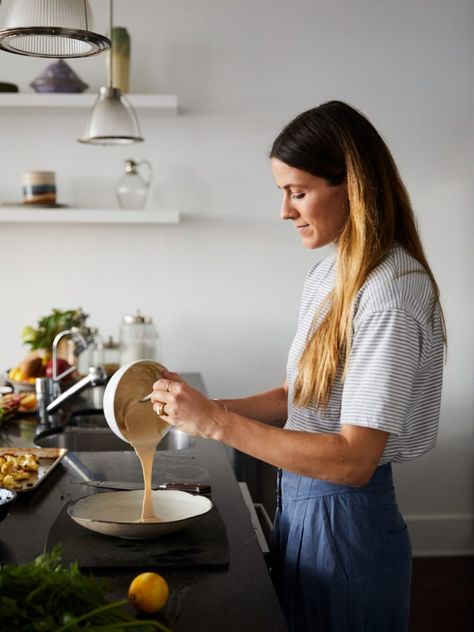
(139, 423)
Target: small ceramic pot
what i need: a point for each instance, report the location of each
(58, 77)
(39, 187)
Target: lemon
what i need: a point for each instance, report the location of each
(148, 592)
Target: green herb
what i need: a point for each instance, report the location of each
(44, 596)
(47, 328)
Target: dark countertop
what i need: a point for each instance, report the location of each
(239, 597)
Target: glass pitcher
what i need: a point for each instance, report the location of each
(132, 189)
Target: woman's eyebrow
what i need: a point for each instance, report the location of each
(293, 186)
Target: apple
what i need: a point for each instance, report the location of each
(61, 366)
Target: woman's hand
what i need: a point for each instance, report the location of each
(186, 408)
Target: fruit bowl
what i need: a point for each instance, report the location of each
(21, 387)
(17, 379)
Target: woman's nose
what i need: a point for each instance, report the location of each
(287, 210)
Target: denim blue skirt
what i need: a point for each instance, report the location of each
(342, 555)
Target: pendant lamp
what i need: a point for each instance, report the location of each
(51, 28)
(112, 120)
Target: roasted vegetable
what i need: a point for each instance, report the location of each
(14, 403)
(9, 405)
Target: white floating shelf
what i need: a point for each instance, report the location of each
(165, 103)
(86, 216)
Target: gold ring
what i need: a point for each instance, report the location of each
(168, 386)
(161, 409)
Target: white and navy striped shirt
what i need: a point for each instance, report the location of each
(394, 377)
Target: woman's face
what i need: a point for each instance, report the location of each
(318, 210)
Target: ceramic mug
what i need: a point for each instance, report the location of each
(39, 187)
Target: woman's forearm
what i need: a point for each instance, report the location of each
(250, 425)
(347, 457)
(270, 407)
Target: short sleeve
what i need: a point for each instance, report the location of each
(382, 369)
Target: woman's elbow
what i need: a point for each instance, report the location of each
(364, 476)
(358, 475)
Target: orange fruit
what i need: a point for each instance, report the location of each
(148, 592)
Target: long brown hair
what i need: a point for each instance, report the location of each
(336, 142)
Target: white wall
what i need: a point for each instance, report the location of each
(224, 286)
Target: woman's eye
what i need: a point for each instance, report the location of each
(298, 196)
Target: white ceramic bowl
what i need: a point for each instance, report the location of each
(114, 513)
(109, 396)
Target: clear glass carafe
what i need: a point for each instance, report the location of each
(132, 188)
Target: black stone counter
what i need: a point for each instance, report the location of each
(239, 597)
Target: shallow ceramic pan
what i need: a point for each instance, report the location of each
(114, 513)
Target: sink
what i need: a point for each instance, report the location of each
(83, 440)
(89, 420)
(90, 433)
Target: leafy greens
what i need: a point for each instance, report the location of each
(44, 596)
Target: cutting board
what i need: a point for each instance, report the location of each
(203, 544)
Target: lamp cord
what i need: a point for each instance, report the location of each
(111, 57)
(85, 14)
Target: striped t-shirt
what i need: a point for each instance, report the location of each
(394, 377)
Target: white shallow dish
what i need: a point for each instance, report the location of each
(114, 513)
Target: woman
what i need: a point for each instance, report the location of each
(363, 381)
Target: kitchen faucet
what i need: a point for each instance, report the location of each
(48, 391)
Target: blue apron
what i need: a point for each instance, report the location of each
(342, 555)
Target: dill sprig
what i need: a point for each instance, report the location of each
(45, 596)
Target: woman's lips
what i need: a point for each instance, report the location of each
(302, 227)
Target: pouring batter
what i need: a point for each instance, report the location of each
(140, 425)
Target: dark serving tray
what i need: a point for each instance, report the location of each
(203, 544)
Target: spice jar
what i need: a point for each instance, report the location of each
(111, 356)
(138, 339)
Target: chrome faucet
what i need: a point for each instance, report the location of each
(48, 391)
(95, 377)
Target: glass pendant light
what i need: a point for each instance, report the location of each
(112, 120)
(51, 28)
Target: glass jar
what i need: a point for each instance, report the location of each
(111, 356)
(138, 339)
(132, 188)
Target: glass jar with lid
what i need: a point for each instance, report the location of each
(138, 339)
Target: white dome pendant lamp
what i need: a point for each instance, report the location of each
(51, 28)
(112, 120)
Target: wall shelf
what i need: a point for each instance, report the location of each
(15, 215)
(164, 103)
